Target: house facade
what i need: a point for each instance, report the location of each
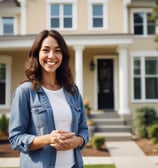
(114, 57)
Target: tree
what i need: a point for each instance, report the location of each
(154, 17)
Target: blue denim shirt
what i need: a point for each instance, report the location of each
(31, 116)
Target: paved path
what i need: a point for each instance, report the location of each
(127, 154)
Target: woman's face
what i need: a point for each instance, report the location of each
(50, 55)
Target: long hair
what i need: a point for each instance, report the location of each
(33, 68)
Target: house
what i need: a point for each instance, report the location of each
(114, 57)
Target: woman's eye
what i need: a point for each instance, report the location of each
(57, 51)
(45, 50)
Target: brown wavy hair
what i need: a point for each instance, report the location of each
(33, 68)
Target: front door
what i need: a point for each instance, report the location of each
(105, 84)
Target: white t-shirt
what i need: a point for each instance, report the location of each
(63, 119)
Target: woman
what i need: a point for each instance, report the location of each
(47, 122)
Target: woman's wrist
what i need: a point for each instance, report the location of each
(81, 141)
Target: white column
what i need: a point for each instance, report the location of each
(123, 81)
(23, 16)
(79, 67)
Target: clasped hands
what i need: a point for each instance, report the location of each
(63, 140)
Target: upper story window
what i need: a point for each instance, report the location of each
(142, 23)
(145, 78)
(98, 14)
(62, 14)
(7, 25)
(5, 80)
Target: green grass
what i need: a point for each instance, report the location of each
(99, 166)
(91, 166)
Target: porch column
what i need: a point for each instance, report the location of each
(123, 81)
(79, 67)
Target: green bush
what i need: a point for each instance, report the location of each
(143, 118)
(153, 132)
(98, 142)
(4, 121)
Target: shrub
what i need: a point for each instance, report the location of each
(98, 141)
(144, 117)
(153, 132)
(4, 121)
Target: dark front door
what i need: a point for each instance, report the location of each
(105, 84)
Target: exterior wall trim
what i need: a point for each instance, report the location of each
(72, 40)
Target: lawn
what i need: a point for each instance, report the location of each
(99, 166)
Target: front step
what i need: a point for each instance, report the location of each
(110, 121)
(113, 128)
(115, 136)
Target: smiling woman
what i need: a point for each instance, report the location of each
(50, 123)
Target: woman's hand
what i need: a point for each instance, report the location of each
(62, 140)
(58, 139)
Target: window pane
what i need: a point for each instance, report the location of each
(67, 22)
(151, 66)
(2, 83)
(138, 18)
(151, 27)
(137, 70)
(54, 10)
(138, 30)
(97, 22)
(138, 23)
(67, 10)
(151, 88)
(137, 88)
(97, 10)
(8, 25)
(54, 23)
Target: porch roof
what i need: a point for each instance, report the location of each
(25, 41)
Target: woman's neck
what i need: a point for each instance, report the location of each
(51, 83)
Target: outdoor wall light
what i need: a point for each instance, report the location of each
(92, 65)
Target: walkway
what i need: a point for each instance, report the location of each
(127, 154)
(124, 154)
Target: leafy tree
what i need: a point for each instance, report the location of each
(154, 17)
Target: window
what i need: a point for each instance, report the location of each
(62, 14)
(2, 83)
(145, 78)
(8, 25)
(142, 23)
(5, 79)
(98, 14)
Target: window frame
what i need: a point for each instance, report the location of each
(7, 61)
(74, 14)
(145, 33)
(104, 3)
(142, 57)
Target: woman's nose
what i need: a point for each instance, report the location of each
(50, 54)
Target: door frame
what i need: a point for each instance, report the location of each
(115, 80)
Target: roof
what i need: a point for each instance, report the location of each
(9, 3)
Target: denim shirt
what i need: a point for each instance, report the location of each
(32, 115)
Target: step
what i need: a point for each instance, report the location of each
(113, 128)
(109, 121)
(105, 115)
(115, 136)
